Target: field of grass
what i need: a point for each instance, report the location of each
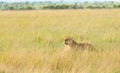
(32, 41)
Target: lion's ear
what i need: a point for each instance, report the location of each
(64, 37)
(69, 37)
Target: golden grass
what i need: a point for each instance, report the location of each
(32, 41)
(39, 61)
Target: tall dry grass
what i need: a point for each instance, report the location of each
(32, 41)
(41, 61)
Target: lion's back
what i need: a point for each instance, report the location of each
(85, 46)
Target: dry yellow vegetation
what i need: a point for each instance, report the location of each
(32, 41)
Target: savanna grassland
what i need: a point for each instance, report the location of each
(32, 41)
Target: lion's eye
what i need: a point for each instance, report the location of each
(67, 40)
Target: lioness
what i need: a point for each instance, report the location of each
(74, 45)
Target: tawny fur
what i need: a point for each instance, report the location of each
(71, 44)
